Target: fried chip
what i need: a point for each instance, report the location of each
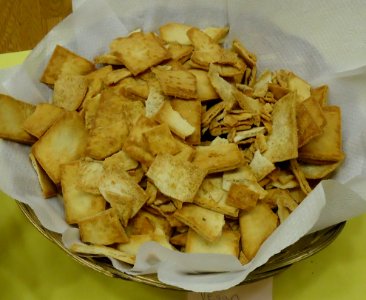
(116, 76)
(298, 85)
(249, 58)
(139, 51)
(218, 158)
(176, 178)
(310, 120)
(175, 33)
(63, 142)
(255, 226)
(207, 223)
(146, 223)
(304, 185)
(103, 251)
(120, 160)
(241, 197)
(107, 58)
(212, 196)
(160, 140)
(78, 204)
(47, 186)
(179, 51)
(177, 83)
(103, 228)
(312, 171)
(283, 141)
(261, 166)
(90, 107)
(42, 118)
(217, 34)
(133, 88)
(110, 127)
(177, 124)
(90, 175)
(190, 110)
(326, 147)
(66, 62)
(69, 91)
(205, 90)
(320, 94)
(13, 114)
(228, 243)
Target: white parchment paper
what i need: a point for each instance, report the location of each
(322, 41)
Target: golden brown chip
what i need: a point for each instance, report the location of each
(60, 57)
(63, 142)
(217, 34)
(190, 110)
(218, 158)
(47, 186)
(249, 58)
(212, 196)
(261, 166)
(255, 227)
(177, 83)
(159, 140)
(13, 113)
(120, 160)
(310, 120)
(103, 228)
(179, 239)
(298, 85)
(312, 171)
(139, 51)
(133, 88)
(103, 251)
(283, 141)
(176, 178)
(110, 127)
(146, 223)
(320, 94)
(304, 185)
(78, 204)
(207, 223)
(241, 197)
(116, 76)
(135, 145)
(179, 51)
(175, 33)
(99, 74)
(90, 175)
(228, 243)
(107, 58)
(69, 91)
(328, 146)
(42, 118)
(90, 107)
(177, 124)
(205, 90)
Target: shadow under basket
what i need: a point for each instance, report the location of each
(303, 248)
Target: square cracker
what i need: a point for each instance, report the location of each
(75, 64)
(241, 197)
(64, 142)
(218, 158)
(212, 196)
(207, 223)
(139, 51)
(175, 33)
(191, 111)
(283, 140)
(176, 178)
(205, 90)
(228, 243)
(42, 118)
(12, 115)
(326, 147)
(78, 204)
(177, 83)
(255, 226)
(104, 228)
(69, 91)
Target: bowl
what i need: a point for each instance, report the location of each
(302, 249)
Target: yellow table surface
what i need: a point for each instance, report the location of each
(31, 267)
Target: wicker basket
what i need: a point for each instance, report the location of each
(305, 247)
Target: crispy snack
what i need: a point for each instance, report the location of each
(69, 91)
(207, 223)
(90, 174)
(283, 141)
(241, 197)
(218, 158)
(66, 62)
(205, 90)
(312, 171)
(47, 186)
(42, 118)
(255, 226)
(78, 203)
(12, 115)
(177, 83)
(139, 51)
(175, 33)
(103, 228)
(328, 146)
(176, 178)
(64, 142)
(160, 140)
(228, 243)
